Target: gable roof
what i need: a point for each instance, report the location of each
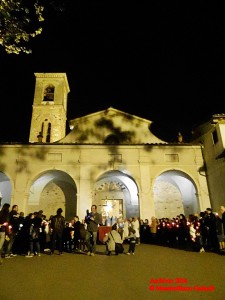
(110, 126)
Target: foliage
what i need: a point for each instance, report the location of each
(19, 21)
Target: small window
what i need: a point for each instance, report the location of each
(42, 128)
(49, 93)
(48, 133)
(215, 137)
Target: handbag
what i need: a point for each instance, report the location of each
(118, 246)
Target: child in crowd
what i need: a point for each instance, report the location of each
(132, 241)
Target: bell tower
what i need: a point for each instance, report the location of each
(48, 122)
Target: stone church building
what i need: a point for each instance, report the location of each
(109, 158)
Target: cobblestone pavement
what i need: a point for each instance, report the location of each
(154, 272)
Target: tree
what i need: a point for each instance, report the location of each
(19, 21)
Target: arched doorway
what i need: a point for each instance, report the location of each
(116, 195)
(175, 193)
(51, 190)
(5, 189)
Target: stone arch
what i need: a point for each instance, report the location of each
(5, 189)
(51, 190)
(175, 192)
(113, 186)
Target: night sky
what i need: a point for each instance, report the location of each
(163, 61)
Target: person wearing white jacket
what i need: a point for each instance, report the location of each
(111, 239)
(136, 226)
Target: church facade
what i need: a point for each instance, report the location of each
(109, 158)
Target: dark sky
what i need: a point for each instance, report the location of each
(162, 60)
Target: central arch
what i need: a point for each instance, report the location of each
(116, 193)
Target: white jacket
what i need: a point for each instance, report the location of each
(136, 227)
(111, 238)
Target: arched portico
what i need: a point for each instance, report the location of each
(116, 194)
(5, 189)
(51, 190)
(175, 193)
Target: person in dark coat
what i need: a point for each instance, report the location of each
(210, 223)
(4, 227)
(76, 236)
(57, 229)
(14, 223)
(222, 211)
(33, 231)
(93, 220)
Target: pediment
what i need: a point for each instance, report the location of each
(110, 126)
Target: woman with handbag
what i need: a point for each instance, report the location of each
(113, 241)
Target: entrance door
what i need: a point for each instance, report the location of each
(112, 208)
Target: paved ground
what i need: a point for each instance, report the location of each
(77, 276)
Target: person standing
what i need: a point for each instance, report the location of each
(153, 229)
(33, 230)
(203, 231)
(14, 222)
(68, 234)
(222, 211)
(39, 220)
(136, 227)
(76, 235)
(93, 220)
(126, 225)
(219, 231)
(210, 222)
(4, 226)
(132, 241)
(57, 228)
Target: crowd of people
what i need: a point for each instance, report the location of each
(201, 232)
(33, 234)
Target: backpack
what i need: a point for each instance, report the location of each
(58, 223)
(34, 232)
(83, 232)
